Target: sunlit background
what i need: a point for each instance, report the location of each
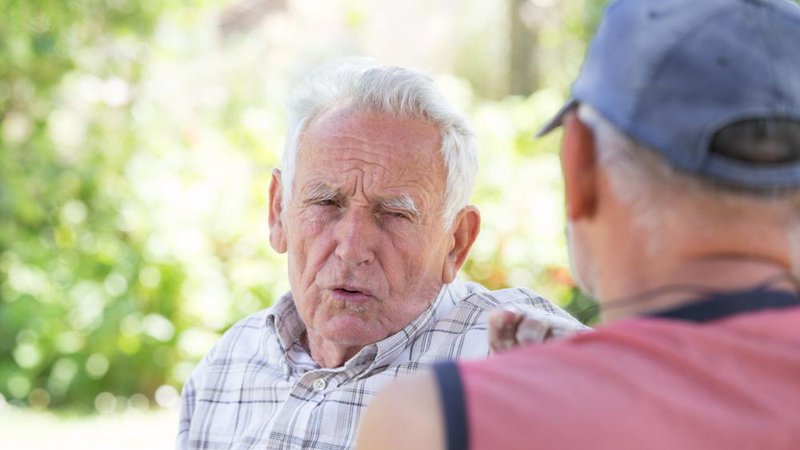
(136, 143)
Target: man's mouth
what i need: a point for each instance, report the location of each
(351, 294)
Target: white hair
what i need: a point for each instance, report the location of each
(642, 178)
(363, 83)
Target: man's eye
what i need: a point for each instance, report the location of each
(325, 202)
(397, 215)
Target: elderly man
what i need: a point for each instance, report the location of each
(681, 159)
(371, 207)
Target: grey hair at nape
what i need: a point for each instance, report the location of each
(363, 83)
(660, 194)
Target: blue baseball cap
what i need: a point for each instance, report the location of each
(672, 73)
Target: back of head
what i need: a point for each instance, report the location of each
(698, 102)
(397, 91)
(672, 74)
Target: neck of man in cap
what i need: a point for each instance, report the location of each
(635, 269)
(690, 281)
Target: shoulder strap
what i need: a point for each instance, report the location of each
(451, 394)
(721, 305)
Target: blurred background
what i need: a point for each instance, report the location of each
(136, 143)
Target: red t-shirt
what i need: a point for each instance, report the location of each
(644, 383)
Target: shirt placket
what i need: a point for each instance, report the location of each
(294, 425)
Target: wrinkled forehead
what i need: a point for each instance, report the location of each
(377, 150)
(376, 127)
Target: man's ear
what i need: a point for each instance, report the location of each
(579, 164)
(464, 231)
(277, 234)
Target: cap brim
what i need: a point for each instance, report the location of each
(556, 121)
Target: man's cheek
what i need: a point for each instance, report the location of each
(312, 310)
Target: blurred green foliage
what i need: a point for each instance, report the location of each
(134, 159)
(70, 269)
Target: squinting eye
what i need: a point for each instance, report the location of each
(325, 202)
(397, 215)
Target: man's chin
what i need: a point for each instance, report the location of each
(351, 330)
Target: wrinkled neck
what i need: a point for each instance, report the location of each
(325, 353)
(695, 277)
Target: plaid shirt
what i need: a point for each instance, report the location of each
(259, 388)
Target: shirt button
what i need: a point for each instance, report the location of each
(319, 384)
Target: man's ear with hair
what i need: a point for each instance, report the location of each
(579, 164)
(464, 231)
(277, 233)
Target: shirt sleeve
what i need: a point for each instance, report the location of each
(185, 421)
(451, 396)
(189, 403)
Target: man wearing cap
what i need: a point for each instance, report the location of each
(681, 160)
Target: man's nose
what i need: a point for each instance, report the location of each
(355, 236)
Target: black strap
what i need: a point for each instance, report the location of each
(719, 305)
(451, 394)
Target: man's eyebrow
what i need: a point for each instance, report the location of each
(318, 192)
(402, 203)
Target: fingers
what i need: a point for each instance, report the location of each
(510, 327)
(561, 330)
(533, 331)
(537, 329)
(503, 325)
